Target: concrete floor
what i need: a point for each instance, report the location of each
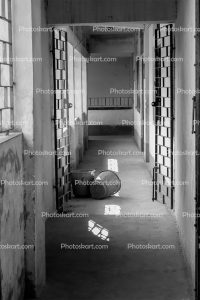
(116, 273)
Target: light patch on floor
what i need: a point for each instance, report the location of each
(98, 230)
(112, 210)
(116, 195)
(113, 165)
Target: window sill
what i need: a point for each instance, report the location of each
(4, 138)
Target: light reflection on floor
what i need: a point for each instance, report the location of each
(112, 210)
(98, 230)
(95, 228)
(113, 166)
(116, 195)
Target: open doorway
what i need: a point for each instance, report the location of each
(127, 228)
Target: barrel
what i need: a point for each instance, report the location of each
(106, 184)
(81, 180)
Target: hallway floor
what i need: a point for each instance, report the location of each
(116, 273)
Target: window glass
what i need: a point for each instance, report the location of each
(6, 71)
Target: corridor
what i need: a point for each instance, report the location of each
(118, 272)
(112, 85)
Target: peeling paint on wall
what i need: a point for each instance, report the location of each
(12, 219)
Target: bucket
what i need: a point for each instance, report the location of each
(81, 180)
(106, 184)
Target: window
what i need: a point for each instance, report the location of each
(6, 74)
(110, 103)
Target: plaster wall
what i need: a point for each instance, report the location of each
(12, 266)
(77, 85)
(95, 11)
(149, 120)
(78, 104)
(43, 136)
(184, 140)
(138, 95)
(33, 111)
(102, 77)
(23, 116)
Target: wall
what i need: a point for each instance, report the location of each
(43, 137)
(151, 96)
(84, 97)
(185, 141)
(111, 117)
(117, 45)
(78, 104)
(103, 76)
(149, 122)
(23, 110)
(11, 218)
(146, 98)
(113, 11)
(138, 83)
(34, 111)
(72, 101)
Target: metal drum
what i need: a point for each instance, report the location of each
(81, 180)
(106, 184)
